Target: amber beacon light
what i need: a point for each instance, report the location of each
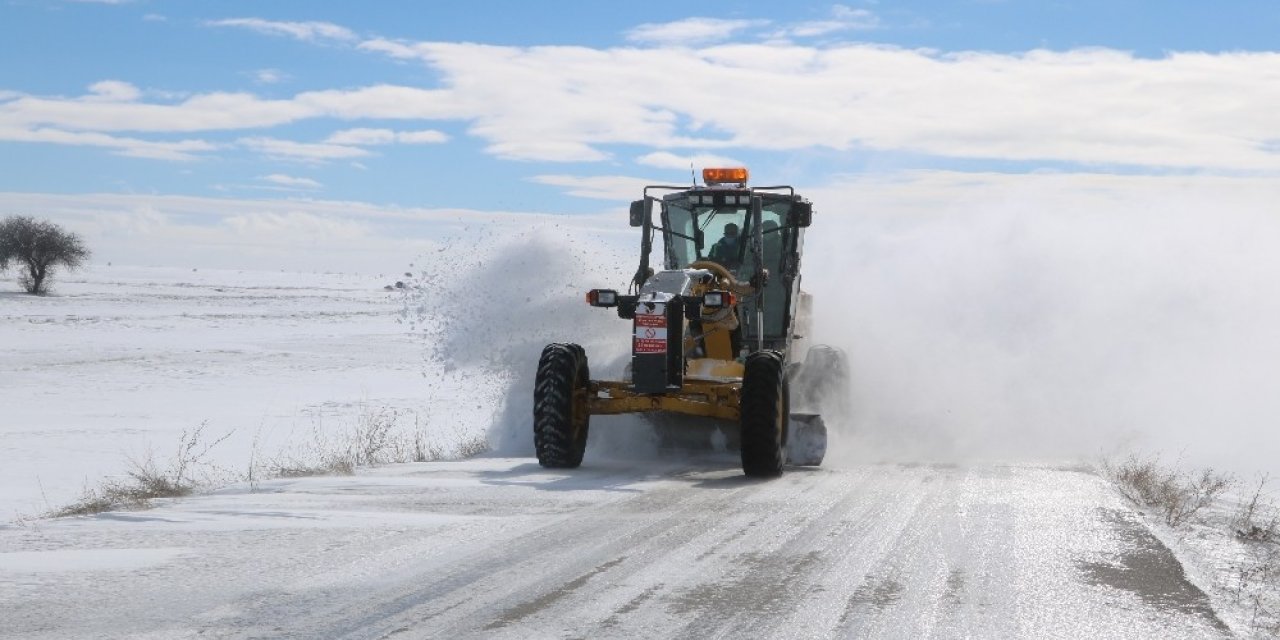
(725, 175)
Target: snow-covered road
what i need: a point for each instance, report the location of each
(648, 548)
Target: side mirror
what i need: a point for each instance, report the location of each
(640, 212)
(801, 214)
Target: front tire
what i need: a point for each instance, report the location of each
(763, 411)
(560, 416)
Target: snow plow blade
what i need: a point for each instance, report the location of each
(806, 440)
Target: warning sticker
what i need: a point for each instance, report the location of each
(651, 329)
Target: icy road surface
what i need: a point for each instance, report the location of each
(499, 548)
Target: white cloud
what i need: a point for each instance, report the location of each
(365, 136)
(668, 160)
(547, 150)
(690, 31)
(362, 136)
(204, 112)
(621, 188)
(842, 18)
(292, 227)
(269, 76)
(291, 181)
(393, 48)
(113, 91)
(309, 31)
(182, 150)
(302, 151)
(1084, 106)
(267, 233)
(231, 111)
(155, 17)
(427, 136)
(1087, 106)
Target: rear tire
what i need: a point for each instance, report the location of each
(560, 416)
(763, 415)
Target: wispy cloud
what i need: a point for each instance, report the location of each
(690, 31)
(842, 18)
(299, 225)
(113, 91)
(230, 111)
(269, 76)
(620, 188)
(668, 160)
(291, 181)
(181, 150)
(393, 48)
(428, 136)
(301, 151)
(309, 31)
(365, 136)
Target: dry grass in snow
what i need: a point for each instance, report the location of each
(1177, 496)
(371, 441)
(1236, 541)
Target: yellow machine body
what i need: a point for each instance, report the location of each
(698, 397)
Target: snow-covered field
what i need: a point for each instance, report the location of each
(122, 361)
(119, 361)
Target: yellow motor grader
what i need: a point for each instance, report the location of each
(714, 334)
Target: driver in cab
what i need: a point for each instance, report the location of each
(725, 250)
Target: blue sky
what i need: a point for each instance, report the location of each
(567, 107)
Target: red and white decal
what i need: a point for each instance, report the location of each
(651, 329)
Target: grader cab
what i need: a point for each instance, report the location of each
(714, 332)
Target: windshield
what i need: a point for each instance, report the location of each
(722, 234)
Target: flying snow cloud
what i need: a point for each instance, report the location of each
(1053, 316)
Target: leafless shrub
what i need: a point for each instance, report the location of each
(473, 446)
(424, 449)
(301, 469)
(322, 456)
(1196, 492)
(1257, 585)
(1176, 496)
(371, 442)
(1257, 520)
(146, 480)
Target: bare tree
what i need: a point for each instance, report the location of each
(37, 247)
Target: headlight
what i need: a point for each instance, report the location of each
(718, 299)
(602, 298)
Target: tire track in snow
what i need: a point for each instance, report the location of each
(493, 548)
